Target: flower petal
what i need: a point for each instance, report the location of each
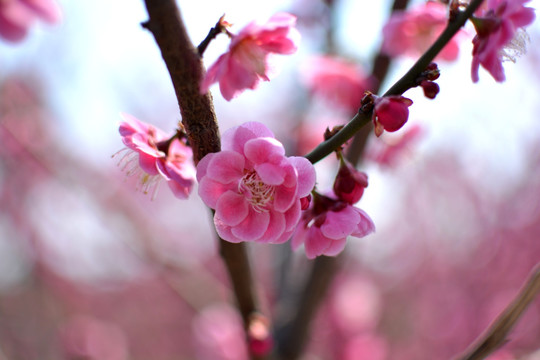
(232, 208)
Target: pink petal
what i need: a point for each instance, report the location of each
(235, 138)
(253, 226)
(339, 225)
(316, 243)
(148, 163)
(214, 73)
(211, 190)
(292, 216)
(48, 10)
(225, 231)
(270, 174)
(365, 225)
(299, 236)
(284, 197)
(263, 149)
(306, 174)
(226, 167)
(276, 227)
(335, 247)
(202, 166)
(232, 208)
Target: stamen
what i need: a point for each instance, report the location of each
(256, 191)
(515, 48)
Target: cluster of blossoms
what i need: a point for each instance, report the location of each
(326, 225)
(498, 32)
(17, 16)
(249, 58)
(153, 156)
(253, 187)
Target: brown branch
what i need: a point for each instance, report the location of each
(186, 71)
(199, 119)
(495, 336)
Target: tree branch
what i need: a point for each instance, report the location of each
(402, 85)
(495, 335)
(199, 119)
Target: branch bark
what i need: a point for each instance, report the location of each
(199, 120)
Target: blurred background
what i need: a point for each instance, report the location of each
(91, 268)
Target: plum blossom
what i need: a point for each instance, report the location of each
(390, 113)
(249, 58)
(154, 156)
(324, 227)
(334, 79)
(413, 31)
(499, 35)
(253, 187)
(16, 16)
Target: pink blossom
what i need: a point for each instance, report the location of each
(336, 80)
(255, 190)
(390, 113)
(249, 59)
(154, 156)
(497, 36)
(325, 227)
(413, 31)
(16, 16)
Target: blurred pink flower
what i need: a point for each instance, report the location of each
(390, 113)
(254, 189)
(85, 337)
(336, 80)
(153, 156)
(16, 16)
(390, 151)
(248, 60)
(413, 31)
(219, 334)
(498, 37)
(324, 227)
(350, 183)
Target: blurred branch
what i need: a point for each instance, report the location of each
(199, 119)
(495, 335)
(292, 336)
(405, 83)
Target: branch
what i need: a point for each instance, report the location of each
(402, 85)
(199, 119)
(495, 335)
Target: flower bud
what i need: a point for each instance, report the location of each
(430, 88)
(350, 183)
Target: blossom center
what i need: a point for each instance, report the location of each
(256, 191)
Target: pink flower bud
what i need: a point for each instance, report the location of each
(350, 183)
(390, 113)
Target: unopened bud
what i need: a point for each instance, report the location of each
(430, 88)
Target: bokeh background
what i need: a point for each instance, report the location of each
(91, 268)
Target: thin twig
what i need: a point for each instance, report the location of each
(402, 85)
(495, 336)
(199, 119)
(212, 34)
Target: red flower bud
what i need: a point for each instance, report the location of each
(350, 183)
